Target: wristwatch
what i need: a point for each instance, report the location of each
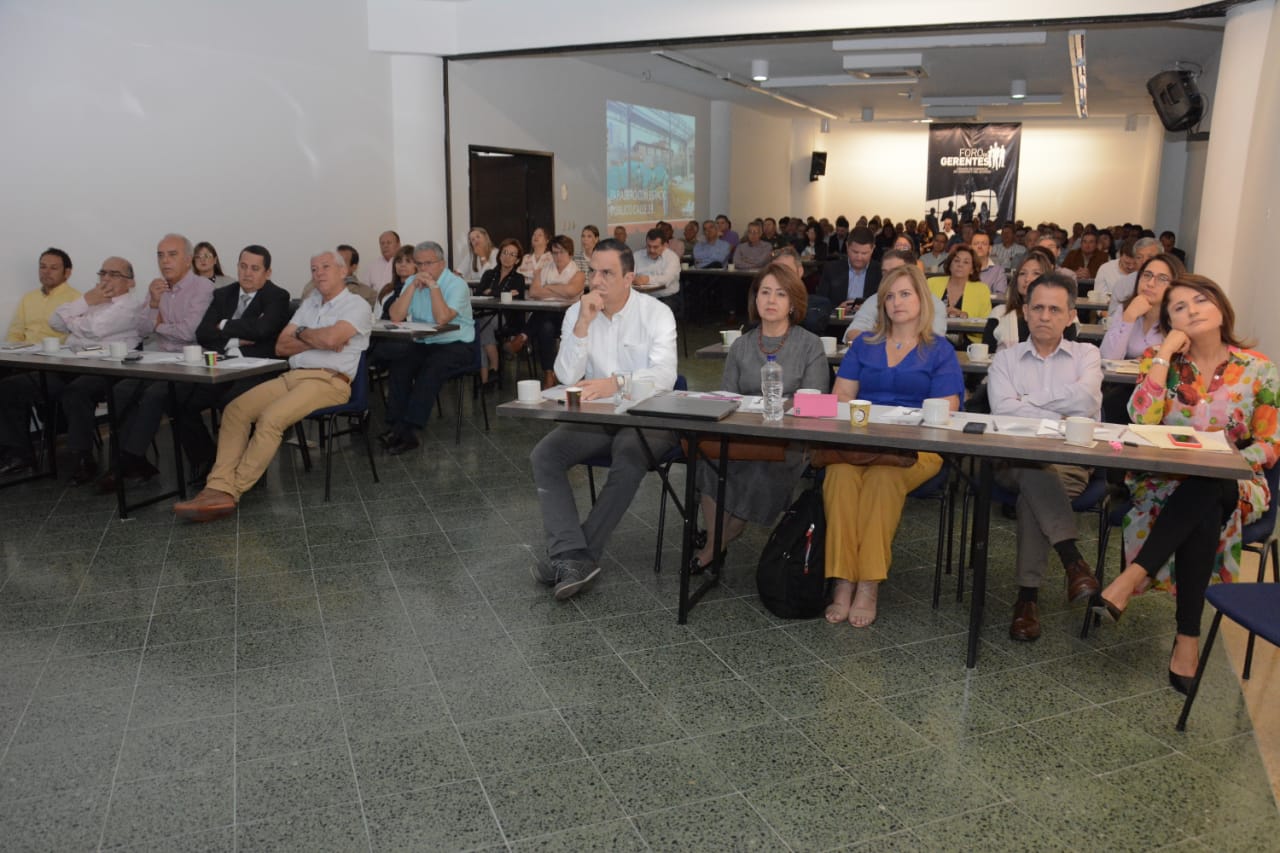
(1159, 360)
(297, 333)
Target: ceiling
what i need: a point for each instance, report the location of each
(1120, 59)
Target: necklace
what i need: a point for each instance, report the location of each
(774, 351)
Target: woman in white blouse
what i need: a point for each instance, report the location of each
(538, 256)
(563, 280)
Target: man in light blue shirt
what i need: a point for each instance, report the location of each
(713, 250)
(435, 295)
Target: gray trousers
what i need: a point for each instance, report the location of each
(1045, 517)
(572, 444)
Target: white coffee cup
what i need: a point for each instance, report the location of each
(641, 389)
(828, 345)
(978, 352)
(50, 345)
(193, 354)
(1095, 295)
(730, 267)
(937, 411)
(118, 349)
(1079, 431)
(728, 336)
(800, 391)
(684, 266)
(506, 297)
(529, 391)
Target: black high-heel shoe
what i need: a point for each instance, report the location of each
(1180, 683)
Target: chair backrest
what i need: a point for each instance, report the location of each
(682, 384)
(1261, 529)
(360, 385)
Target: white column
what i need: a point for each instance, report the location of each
(721, 159)
(1242, 65)
(417, 144)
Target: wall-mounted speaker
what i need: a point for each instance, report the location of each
(817, 165)
(1177, 99)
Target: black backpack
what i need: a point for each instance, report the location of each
(791, 578)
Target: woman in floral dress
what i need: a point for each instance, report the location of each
(1201, 376)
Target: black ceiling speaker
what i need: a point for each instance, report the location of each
(817, 165)
(1177, 99)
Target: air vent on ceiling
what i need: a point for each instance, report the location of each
(878, 66)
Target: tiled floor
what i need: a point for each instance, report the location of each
(381, 673)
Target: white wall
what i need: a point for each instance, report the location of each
(236, 122)
(760, 182)
(555, 105)
(1091, 170)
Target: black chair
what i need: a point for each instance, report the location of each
(477, 387)
(663, 467)
(355, 410)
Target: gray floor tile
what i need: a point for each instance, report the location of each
(519, 743)
(820, 812)
(292, 683)
(70, 820)
(407, 761)
(288, 728)
(162, 806)
(671, 667)
(724, 824)
(662, 776)
(577, 681)
(337, 828)
(299, 781)
(718, 706)
(47, 769)
(615, 836)
(548, 799)
(449, 817)
(763, 755)
(187, 747)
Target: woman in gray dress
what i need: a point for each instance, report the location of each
(758, 491)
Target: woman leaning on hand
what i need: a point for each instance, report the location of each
(1200, 376)
(758, 491)
(898, 363)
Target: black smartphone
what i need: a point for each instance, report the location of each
(976, 427)
(132, 357)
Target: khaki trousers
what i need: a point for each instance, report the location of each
(864, 505)
(274, 406)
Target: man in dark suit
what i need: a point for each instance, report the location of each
(243, 320)
(837, 242)
(848, 280)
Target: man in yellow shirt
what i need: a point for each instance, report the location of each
(31, 321)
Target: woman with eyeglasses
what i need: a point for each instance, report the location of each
(501, 279)
(1138, 327)
(205, 261)
(563, 280)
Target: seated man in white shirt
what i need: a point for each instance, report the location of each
(323, 343)
(865, 319)
(937, 256)
(610, 331)
(1120, 277)
(1008, 251)
(105, 313)
(657, 266)
(1046, 376)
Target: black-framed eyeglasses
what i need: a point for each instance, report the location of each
(113, 274)
(1148, 275)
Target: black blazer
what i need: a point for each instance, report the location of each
(491, 286)
(835, 281)
(266, 315)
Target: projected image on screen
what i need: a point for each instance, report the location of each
(649, 166)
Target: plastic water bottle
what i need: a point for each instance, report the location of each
(771, 389)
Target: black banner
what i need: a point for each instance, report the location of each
(973, 172)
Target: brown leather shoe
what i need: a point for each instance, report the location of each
(209, 505)
(1026, 622)
(1081, 583)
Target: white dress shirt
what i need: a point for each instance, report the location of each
(1118, 284)
(1067, 382)
(663, 270)
(114, 320)
(315, 313)
(380, 270)
(640, 339)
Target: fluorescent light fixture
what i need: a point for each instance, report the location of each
(1079, 71)
(835, 80)
(1018, 90)
(995, 39)
(883, 65)
(826, 125)
(986, 100)
(759, 70)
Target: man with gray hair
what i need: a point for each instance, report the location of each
(323, 342)
(435, 295)
(1120, 277)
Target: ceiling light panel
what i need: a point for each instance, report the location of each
(997, 39)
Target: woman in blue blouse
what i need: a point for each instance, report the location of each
(898, 363)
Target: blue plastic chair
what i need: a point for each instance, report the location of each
(477, 386)
(355, 410)
(673, 456)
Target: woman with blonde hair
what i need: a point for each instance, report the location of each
(898, 363)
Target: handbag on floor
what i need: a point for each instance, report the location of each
(790, 577)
